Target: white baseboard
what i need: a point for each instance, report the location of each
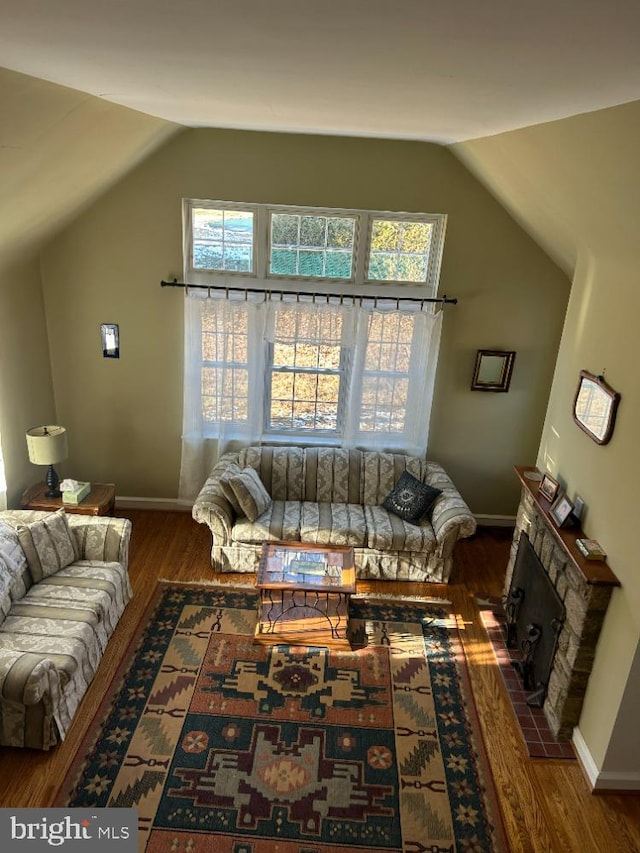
(496, 520)
(600, 781)
(165, 504)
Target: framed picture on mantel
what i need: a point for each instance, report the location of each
(549, 487)
(561, 510)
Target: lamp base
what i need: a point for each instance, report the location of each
(52, 480)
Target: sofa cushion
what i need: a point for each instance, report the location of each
(381, 471)
(11, 551)
(5, 596)
(388, 532)
(48, 545)
(410, 498)
(17, 578)
(232, 471)
(281, 522)
(332, 475)
(281, 470)
(333, 524)
(251, 495)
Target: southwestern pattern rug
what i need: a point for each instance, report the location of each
(226, 745)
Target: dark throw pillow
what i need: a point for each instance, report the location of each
(410, 498)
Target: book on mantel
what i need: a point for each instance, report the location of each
(590, 549)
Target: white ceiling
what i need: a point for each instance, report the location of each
(413, 69)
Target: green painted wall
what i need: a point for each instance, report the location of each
(576, 184)
(124, 417)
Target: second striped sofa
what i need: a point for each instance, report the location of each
(63, 587)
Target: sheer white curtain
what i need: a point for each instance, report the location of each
(223, 382)
(390, 396)
(383, 362)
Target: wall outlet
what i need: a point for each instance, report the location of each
(578, 506)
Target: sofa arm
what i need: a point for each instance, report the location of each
(450, 512)
(211, 506)
(451, 518)
(28, 680)
(102, 537)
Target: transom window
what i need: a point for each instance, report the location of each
(228, 239)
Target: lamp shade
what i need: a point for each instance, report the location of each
(47, 444)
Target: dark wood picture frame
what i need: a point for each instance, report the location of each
(493, 369)
(549, 488)
(595, 406)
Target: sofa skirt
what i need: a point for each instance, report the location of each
(434, 567)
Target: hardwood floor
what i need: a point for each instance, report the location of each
(546, 805)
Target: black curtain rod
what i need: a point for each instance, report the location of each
(448, 300)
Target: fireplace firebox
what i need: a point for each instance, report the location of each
(534, 617)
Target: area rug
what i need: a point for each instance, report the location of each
(226, 745)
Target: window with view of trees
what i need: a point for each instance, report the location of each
(323, 367)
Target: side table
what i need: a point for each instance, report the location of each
(101, 500)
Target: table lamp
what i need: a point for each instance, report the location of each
(47, 445)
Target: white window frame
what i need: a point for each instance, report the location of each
(325, 434)
(357, 283)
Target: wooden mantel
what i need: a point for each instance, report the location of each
(594, 572)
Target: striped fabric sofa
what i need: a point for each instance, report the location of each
(60, 600)
(335, 496)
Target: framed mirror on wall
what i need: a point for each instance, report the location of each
(493, 370)
(595, 407)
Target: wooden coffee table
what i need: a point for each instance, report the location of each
(304, 594)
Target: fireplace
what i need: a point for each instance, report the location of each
(583, 589)
(534, 616)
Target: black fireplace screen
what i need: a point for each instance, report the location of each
(534, 616)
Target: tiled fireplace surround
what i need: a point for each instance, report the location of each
(585, 588)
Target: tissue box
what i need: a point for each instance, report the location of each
(76, 495)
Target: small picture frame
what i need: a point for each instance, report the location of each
(492, 370)
(110, 334)
(561, 510)
(549, 488)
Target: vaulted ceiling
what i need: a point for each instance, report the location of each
(89, 88)
(442, 72)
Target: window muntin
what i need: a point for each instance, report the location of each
(312, 246)
(222, 239)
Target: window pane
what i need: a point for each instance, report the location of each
(284, 230)
(399, 251)
(338, 264)
(311, 264)
(312, 231)
(284, 262)
(222, 239)
(224, 394)
(316, 246)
